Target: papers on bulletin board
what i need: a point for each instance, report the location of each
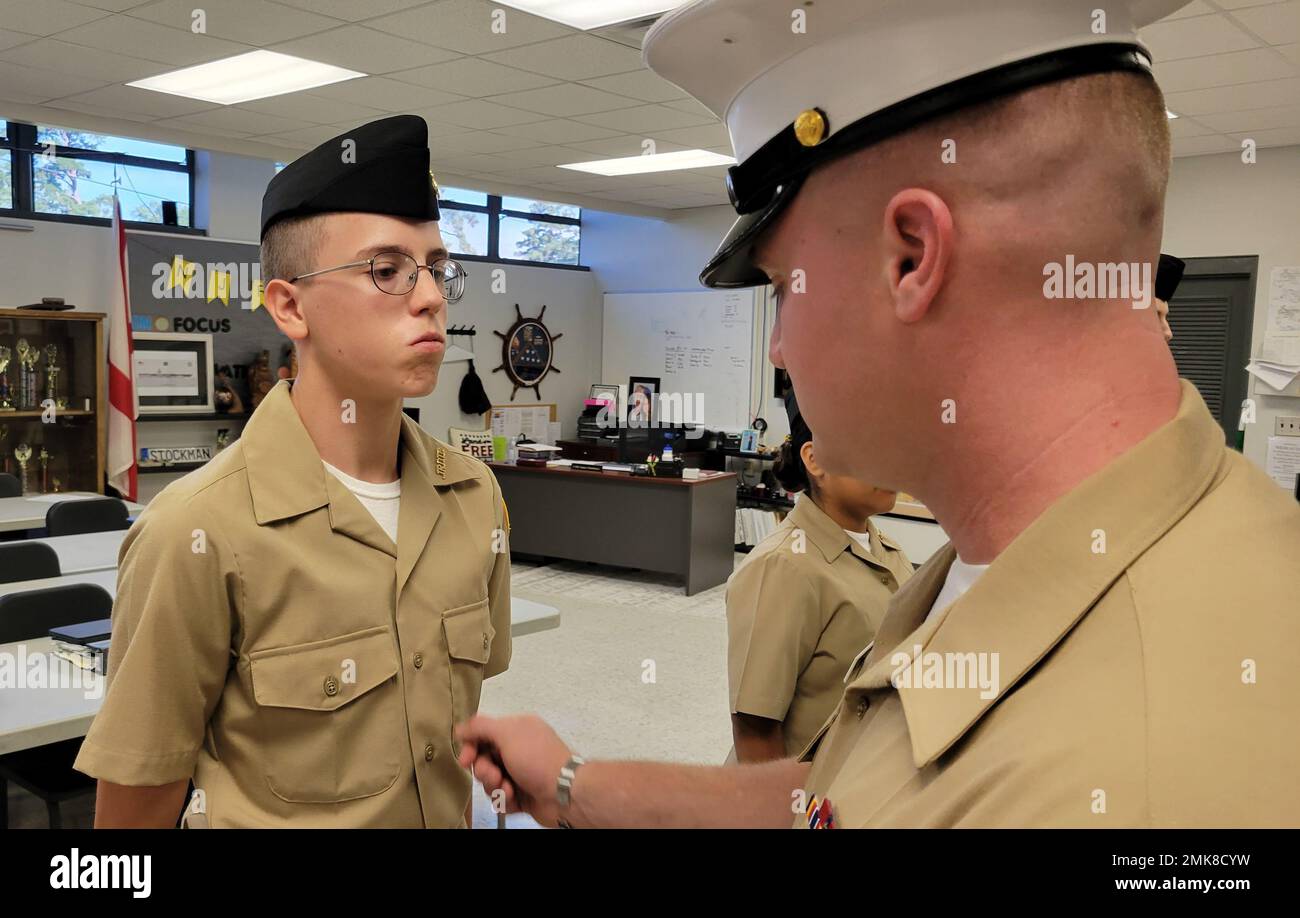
(1279, 358)
(1283, 462)
(533, 421)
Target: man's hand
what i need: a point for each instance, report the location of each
(519, 756)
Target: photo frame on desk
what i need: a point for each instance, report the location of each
(642, 392)
(603, 391)
(173, 372)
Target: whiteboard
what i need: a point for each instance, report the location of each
(700, 344)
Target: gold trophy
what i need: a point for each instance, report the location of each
(27, 357)
(45, 461)
(23, 452)
(6, 402)
(52, 372)
(4, 434)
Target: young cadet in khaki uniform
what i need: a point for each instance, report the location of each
(806, 602)
(296, 627)
(1111, 638)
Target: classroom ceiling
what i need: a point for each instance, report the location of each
(504, 109)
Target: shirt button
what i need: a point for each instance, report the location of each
(884, 578)
(863, 704)
(417, 660)
(331, 686)
(428, 752)
(485, 641)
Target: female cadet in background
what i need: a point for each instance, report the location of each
(805, 602)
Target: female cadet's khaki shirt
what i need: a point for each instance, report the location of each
(804, 603)
(271, 642)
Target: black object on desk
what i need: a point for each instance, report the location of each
(83, 632)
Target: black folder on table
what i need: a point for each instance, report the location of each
(83, 632)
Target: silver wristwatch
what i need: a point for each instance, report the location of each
(564, 786)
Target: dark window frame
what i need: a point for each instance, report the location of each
(494, 211)
(22, 143)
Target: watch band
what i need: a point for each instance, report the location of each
(564, 785)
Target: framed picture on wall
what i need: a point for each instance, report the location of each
(173, 372)
(642, 392)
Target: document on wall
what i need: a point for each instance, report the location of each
(1283, 463)
(1281, 347)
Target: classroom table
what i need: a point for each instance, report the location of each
(32, 717)
(90, 551)
(28, 512)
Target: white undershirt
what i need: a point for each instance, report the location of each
(862, 538)
(961, 577)
(381, 499)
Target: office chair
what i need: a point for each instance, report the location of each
(10, 486)
(74, 517)
(27, 561)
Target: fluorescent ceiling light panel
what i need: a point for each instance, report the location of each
(657, 162)
(593, 14)
(245, 77)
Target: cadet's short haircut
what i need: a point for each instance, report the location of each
(289, 247)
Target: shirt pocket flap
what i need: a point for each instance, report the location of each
(323, 675)
(469, 632)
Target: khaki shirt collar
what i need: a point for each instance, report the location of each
(1047, 579)
(286, 478)
(831, 539)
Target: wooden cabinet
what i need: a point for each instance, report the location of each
(53, 402)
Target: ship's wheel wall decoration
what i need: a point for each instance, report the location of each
(527, 352)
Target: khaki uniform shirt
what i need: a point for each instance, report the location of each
(1147, 633)
(271, 642)
(799, 609)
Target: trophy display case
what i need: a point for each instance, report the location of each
(53, 425)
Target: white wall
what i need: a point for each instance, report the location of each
(1218, 205)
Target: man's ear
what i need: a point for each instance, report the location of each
(281, 300)
(917, 243)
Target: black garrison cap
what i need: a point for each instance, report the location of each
(1168, 276)
(378, 168)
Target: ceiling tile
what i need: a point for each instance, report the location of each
(171, 46)
(474, 77)
(20, 83)
(351, 10)
(1200, 35)
(233, 119)
(575, 57)
(702, 137)
(479, 162)
(358, 48)
(1281, 116)
(253, 22)
(109, 67)
(692, 107)
(1198, 146)
(639, 84)
(45, 17)
(1189, 127)
(557, 131)
(477, 142)
(564, 100)
(304, 106)
(303, 137)
(1241, 4)
(1241, 97)
(1290, 52)
(386, 94)
(478, 113)
(1277, 137)
(1276, 23)
(466, 26)
(645, 119)
(545, 156)
(626, 145)
(1222, 70)
(113, 100)
(1198, 8)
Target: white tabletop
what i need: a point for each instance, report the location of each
(107, 579)
(91, 551)
(36, 715)
(28, 512)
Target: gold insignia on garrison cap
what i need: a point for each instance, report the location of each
(810, 127)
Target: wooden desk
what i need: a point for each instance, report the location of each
(669, 525)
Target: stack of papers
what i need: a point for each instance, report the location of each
(1277, 375)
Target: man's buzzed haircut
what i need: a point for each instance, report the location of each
(290, 245)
